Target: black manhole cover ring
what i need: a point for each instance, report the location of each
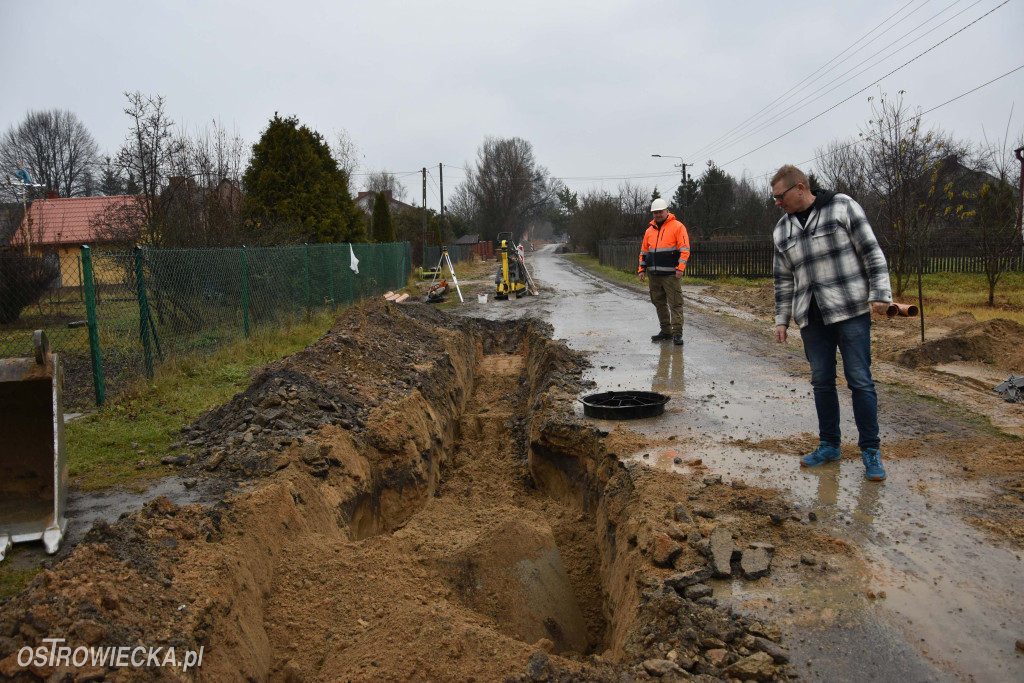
(624, 405)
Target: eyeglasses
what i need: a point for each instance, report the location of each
(778, 197)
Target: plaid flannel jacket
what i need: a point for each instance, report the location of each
(835, 257)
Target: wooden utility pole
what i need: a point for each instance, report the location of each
(424, 207)
(440, 175)
(1019, 153)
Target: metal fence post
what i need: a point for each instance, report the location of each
(330, 274)
(306, 268)
(88, 287)
(140, 282)
(350, 277)
(245, 295)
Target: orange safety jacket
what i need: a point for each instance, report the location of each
(666, 249)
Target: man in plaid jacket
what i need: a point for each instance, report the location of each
(830, 276)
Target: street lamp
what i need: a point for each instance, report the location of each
(681, 165)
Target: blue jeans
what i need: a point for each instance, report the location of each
(853, 340)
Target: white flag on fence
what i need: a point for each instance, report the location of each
(355, 261)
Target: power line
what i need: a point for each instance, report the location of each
(847, 99)
(812, 97)
(927, 111)
(783, 95)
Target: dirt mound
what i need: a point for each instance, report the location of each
(758, 300)
(994, 342)
(954, 338)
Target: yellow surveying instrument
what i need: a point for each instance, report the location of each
(512, 278)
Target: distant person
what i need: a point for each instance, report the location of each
(830, 276)
(663, 256)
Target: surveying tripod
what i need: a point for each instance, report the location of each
(445, 258)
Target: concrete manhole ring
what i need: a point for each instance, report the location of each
(624, 405)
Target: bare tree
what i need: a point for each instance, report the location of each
(754, 211)
(995, 206)
(201, 204)
(346, 152)
(462, 209)
(382, 181)
(635, 209)
(56, 149)
(147, 155)
(842, 167)
(909, 170)
(598, 217)
(509, 188)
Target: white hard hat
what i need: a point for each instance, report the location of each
(659, 204)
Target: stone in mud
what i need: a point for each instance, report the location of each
(680, 514)
(755, 563)
(537, 667)
(546, 645)
(680, 580)
(661, 667)
(697, 591)
(757, 667)
(89, 631)
(721, 549)
(214, 461)
(779, 655)
(664, 550)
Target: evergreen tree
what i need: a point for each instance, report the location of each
(683, 199)
(713, 206)
(292, 179)
(383, 229)
(434, 230)
(111, 182)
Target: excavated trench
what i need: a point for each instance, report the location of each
(417, 500)
(486, 502)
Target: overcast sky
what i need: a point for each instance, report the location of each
(595, 86)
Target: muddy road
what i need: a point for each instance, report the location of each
(742, 404)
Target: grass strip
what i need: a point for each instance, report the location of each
(122, 442)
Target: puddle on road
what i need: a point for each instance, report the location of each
(968, 624)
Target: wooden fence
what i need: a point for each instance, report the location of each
(753, 257)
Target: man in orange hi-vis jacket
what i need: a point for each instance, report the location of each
(663, 258)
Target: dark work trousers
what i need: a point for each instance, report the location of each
(667, 297)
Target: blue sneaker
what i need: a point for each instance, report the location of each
(821, 455)
(872, 464)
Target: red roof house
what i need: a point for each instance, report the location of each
(57, 227)
(67, 221)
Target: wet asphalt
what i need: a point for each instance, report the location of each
(953, 605)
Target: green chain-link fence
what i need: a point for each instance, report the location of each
(113, 315)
